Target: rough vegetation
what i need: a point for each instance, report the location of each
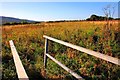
(29, 42)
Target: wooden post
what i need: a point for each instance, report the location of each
(46, 51)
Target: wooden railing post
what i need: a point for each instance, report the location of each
(45, 52)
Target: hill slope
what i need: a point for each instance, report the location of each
(11, 19)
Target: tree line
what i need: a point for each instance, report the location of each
(100, 18)
(17, 23)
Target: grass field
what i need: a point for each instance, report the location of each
(94, 35)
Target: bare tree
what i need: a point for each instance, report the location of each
(109, 11)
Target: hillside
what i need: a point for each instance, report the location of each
(11, 19)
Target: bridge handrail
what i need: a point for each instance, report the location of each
(88, 51)
(18, 64)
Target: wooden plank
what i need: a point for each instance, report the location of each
(46, 51)
(18, 64)
(66, 68)
(88, 51)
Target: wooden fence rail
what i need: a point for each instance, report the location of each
(88, 51)
(18, 64)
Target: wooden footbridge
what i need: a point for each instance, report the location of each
(22, 73)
